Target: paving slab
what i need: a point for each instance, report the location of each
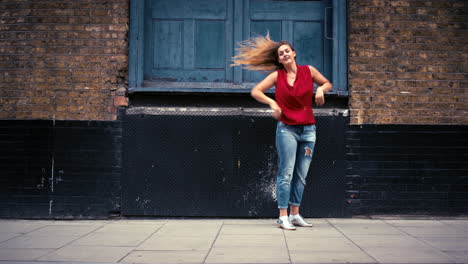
(445, 231)
(127, 228)
(139, 221)
(317, 231)
(38, 242)
(459, 257)
(52, 262)
(111, 240)
(87, 254)
(415, 223)
(74, 222)
(268, 221)
(270, 255)
(249, 221)
(16, 254)
(368, 228)
(388, 241)
(460, 224)
(248, 229)
(408, 255)
(448, 243)
(19, 227)
(64, 230)
(250, 241)
(188, 230)
(322, 244)
(307, 256)
(353, 221)
(7, 236)
(177, 243)
(166, 257)
(202, 221)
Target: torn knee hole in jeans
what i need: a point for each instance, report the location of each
(307, 152)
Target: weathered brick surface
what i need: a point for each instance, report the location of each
(65, 59)
(408, 62)
(62, 59)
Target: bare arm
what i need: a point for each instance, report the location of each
(258, 92)
(324, 85)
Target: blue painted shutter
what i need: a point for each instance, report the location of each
(301, 23)
(188, 41)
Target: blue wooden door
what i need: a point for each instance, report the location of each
(193, 41)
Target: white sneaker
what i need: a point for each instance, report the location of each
(284, 223)
(297, 220)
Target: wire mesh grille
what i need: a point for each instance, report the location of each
(221, 163)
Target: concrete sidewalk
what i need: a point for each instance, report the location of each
(233, 241)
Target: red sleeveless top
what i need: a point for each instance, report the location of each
(295, 101)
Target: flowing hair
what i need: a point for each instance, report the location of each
(259, 53)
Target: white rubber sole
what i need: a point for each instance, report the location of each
(292, 229)
(303, 225)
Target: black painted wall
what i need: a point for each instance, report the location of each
(73, 169)
(59, 169)
(407, 169)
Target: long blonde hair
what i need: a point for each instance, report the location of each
(259, 53)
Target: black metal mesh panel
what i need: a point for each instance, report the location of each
(220, 163)
(325, 190)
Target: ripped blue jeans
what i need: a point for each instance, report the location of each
(295, 146)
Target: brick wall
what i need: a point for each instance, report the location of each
(408, 62)
(63, 59)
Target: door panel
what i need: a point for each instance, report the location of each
(188, 9)
(210, 9)
(168, 44)
(308, 43)
(286, 10)
(189, 40)
(301, 24)
(262, 28)
(209, 45)
(168, 9)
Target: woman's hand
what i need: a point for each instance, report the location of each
(319, 97)
(276, 110)
(324, 87)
